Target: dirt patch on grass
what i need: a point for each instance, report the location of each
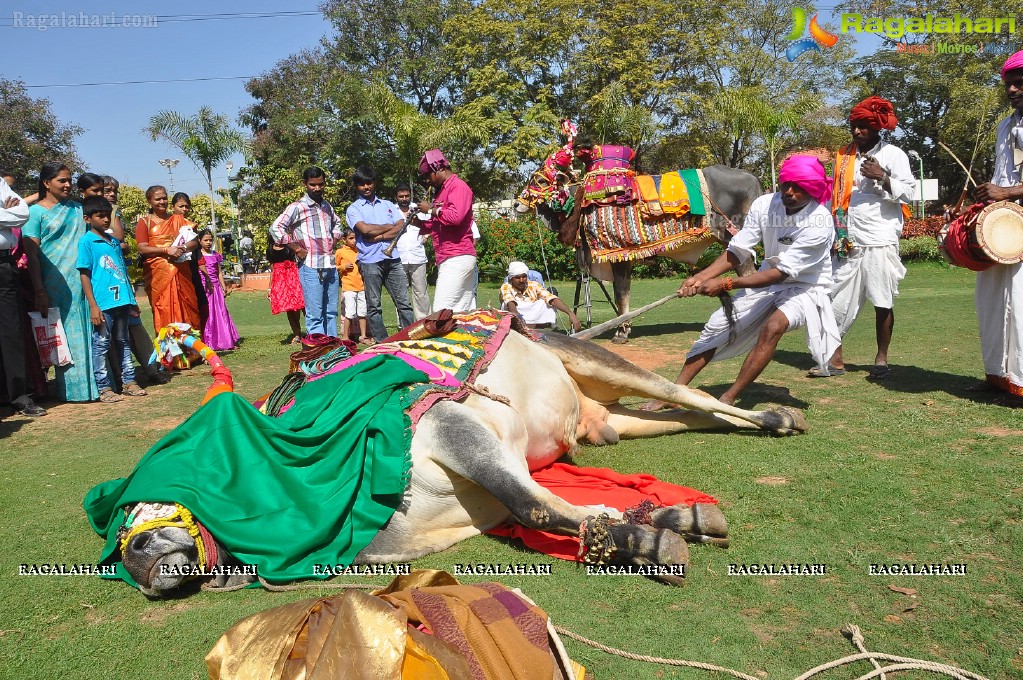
(645, 357)
(884, 456)
(999, 432)
(158, 617)
(772, 481)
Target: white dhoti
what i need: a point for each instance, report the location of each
(456, 284)
(999, 300)
(869, 273)
(810, 307)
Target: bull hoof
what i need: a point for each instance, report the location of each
(784, 421)
(620, 339)
(647, 547)
(701, 523)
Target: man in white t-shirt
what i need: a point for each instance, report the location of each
(873, 183)
(531, 302)
(413, 254)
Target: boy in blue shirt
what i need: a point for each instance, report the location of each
(111, 298)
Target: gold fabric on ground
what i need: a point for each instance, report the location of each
(358, 635)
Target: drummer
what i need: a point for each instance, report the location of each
(999, 293)
(874, 186)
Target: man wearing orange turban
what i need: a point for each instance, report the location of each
(874, 186)
(999, 293)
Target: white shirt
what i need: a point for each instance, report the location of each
(1009, 138)
(410, 246)
(799, 245)
(10, 218)
(875, 215)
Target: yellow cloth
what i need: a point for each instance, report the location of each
(674, 195)
(650, 203)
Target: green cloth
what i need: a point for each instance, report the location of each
(691, 178)
(311, 487)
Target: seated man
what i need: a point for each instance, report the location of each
(530, 301)
(790, 289)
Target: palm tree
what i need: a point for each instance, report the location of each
(751, 110)
(207, 138)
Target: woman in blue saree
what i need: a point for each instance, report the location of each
(55, 225)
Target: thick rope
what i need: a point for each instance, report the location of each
(901, 663)
(853, 632)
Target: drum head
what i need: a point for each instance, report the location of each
(1000, 232)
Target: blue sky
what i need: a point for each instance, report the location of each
(113, 115)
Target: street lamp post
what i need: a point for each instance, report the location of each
(170, 163)
(234, 217)
(917, 157)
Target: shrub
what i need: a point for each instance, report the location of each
(503, 239)
(920, 249)
(929, 226)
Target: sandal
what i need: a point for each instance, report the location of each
(110, 397)
(133, 390)
(296, 340)
(830, 371)
(880, 372)
(369, 342)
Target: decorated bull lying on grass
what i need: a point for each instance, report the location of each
(402, 451)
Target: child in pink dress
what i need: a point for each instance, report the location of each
(220, 333)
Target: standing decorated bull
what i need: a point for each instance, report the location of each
(401, 451)
(614, 216)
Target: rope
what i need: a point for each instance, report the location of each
(652, 659)
(852, 631)
(297, 586)
(543, 253)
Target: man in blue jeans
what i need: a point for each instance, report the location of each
(376, 223)
(309, 227)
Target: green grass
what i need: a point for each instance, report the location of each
(915, 469)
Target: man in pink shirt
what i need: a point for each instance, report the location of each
(450, 225)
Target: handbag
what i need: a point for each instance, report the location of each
(50, 338)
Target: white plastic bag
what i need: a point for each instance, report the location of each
(50, 338)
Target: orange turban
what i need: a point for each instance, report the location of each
(879, 113)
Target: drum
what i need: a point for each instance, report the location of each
(986, 235)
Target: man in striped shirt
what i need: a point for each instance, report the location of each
(309, 227)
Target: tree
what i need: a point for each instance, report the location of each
(207, 138)
(31, 135)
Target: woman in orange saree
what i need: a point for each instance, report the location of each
(168, 282)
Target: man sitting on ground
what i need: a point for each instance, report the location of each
(790, 289)
(530, 301)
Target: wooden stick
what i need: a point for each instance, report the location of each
(594, 331)
(969, 176)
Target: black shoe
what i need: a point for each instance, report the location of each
(32, 410)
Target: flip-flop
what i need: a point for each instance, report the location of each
(827, 373)
(880, 372)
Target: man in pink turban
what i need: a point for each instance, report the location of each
(450, 224)
(874, 186)
(789, 291)
(999, 292)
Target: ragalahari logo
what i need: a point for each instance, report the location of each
(818, 36)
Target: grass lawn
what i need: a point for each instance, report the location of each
(912, 470)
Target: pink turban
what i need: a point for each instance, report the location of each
(1012, 63)
(877, 111)
(809, 174)
(433, 160)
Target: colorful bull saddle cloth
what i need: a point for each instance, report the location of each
(667, 214)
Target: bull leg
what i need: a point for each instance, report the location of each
(622, 272)
(605, 377)
(467, 447)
